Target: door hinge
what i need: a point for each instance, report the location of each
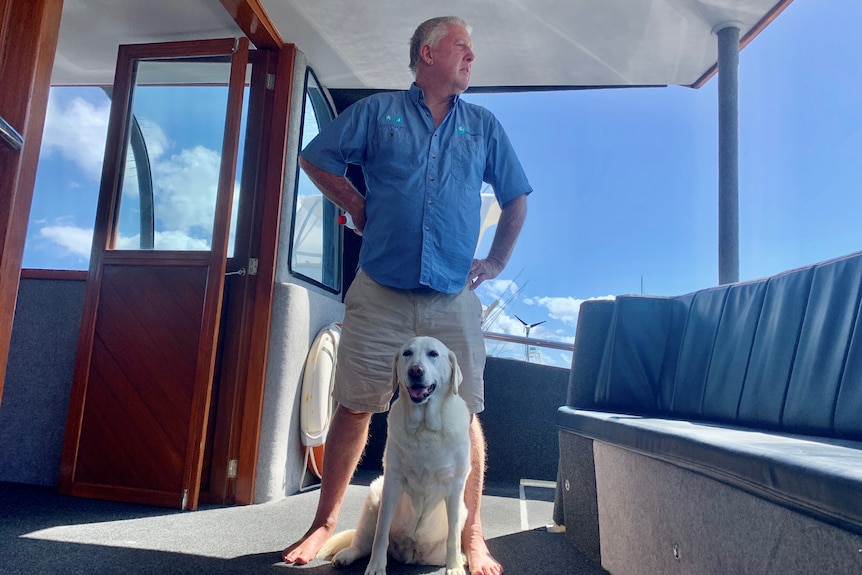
(231, 468)
(252, 266)
(185, 503)
(270, 81)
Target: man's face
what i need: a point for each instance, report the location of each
(453, 57)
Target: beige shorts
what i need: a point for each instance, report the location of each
(377, 322)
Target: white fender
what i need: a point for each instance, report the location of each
(317, 406)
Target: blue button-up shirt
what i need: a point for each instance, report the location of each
(423, 183)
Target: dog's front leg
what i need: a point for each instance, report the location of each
(455, 515)
(392, 489)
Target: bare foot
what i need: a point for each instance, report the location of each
(306, 548)
(479, 558)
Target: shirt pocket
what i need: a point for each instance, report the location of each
(391, 134)
(393, 149)
(468, 159)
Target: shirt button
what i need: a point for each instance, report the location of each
(432, 178)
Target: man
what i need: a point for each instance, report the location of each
(424, 154)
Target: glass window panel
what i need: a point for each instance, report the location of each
(316, 247)
(170, 181)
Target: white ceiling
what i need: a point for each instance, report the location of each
(363, 44)
(91, 31)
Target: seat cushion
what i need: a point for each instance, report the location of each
(813, 475)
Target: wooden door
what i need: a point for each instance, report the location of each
(143, 377)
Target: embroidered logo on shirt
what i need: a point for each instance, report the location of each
(462, 131)
(393, 128)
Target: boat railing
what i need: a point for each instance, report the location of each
(10, 136)
(531, 349)
(509, 338)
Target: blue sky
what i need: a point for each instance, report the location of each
(625, 180)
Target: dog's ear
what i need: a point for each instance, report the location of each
(394, 380)
(456, 376)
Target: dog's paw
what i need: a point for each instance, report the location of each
(458, 567)
(346, 556)
(375, 569)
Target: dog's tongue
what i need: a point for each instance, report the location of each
(417, 391)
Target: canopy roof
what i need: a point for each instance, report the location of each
(363, 45)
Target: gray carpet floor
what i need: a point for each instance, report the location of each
(44, 533)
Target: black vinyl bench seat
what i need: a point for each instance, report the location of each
(754, 385)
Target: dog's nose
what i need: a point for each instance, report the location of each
(415, 372)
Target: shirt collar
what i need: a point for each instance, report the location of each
(418, 96)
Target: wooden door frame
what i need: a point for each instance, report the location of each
(28, 40)
(231, 379)
(258, 303)
(253, 20)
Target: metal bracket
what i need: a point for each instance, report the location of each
(252, 269)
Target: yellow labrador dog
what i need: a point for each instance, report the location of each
(416, 511)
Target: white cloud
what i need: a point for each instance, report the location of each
(74, 239)
(78, 240)
(509, 325)
(173, 240)
(560, 309)
(563, 309)
(491, 290)
(77, 132)
(185, 196)
(496, 295)
(504, 323)
(186, 185)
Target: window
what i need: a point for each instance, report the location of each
(170, 177)
(315, 252)
(173, 157)
(60, 230)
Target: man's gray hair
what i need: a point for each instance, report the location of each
(429, 33)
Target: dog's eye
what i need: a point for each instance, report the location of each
(407, 352)
(433, 353)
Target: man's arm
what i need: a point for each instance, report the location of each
(505, 236)
(339, 191)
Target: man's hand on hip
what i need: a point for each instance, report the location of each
(482, 270)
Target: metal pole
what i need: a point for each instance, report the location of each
(728, 152)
